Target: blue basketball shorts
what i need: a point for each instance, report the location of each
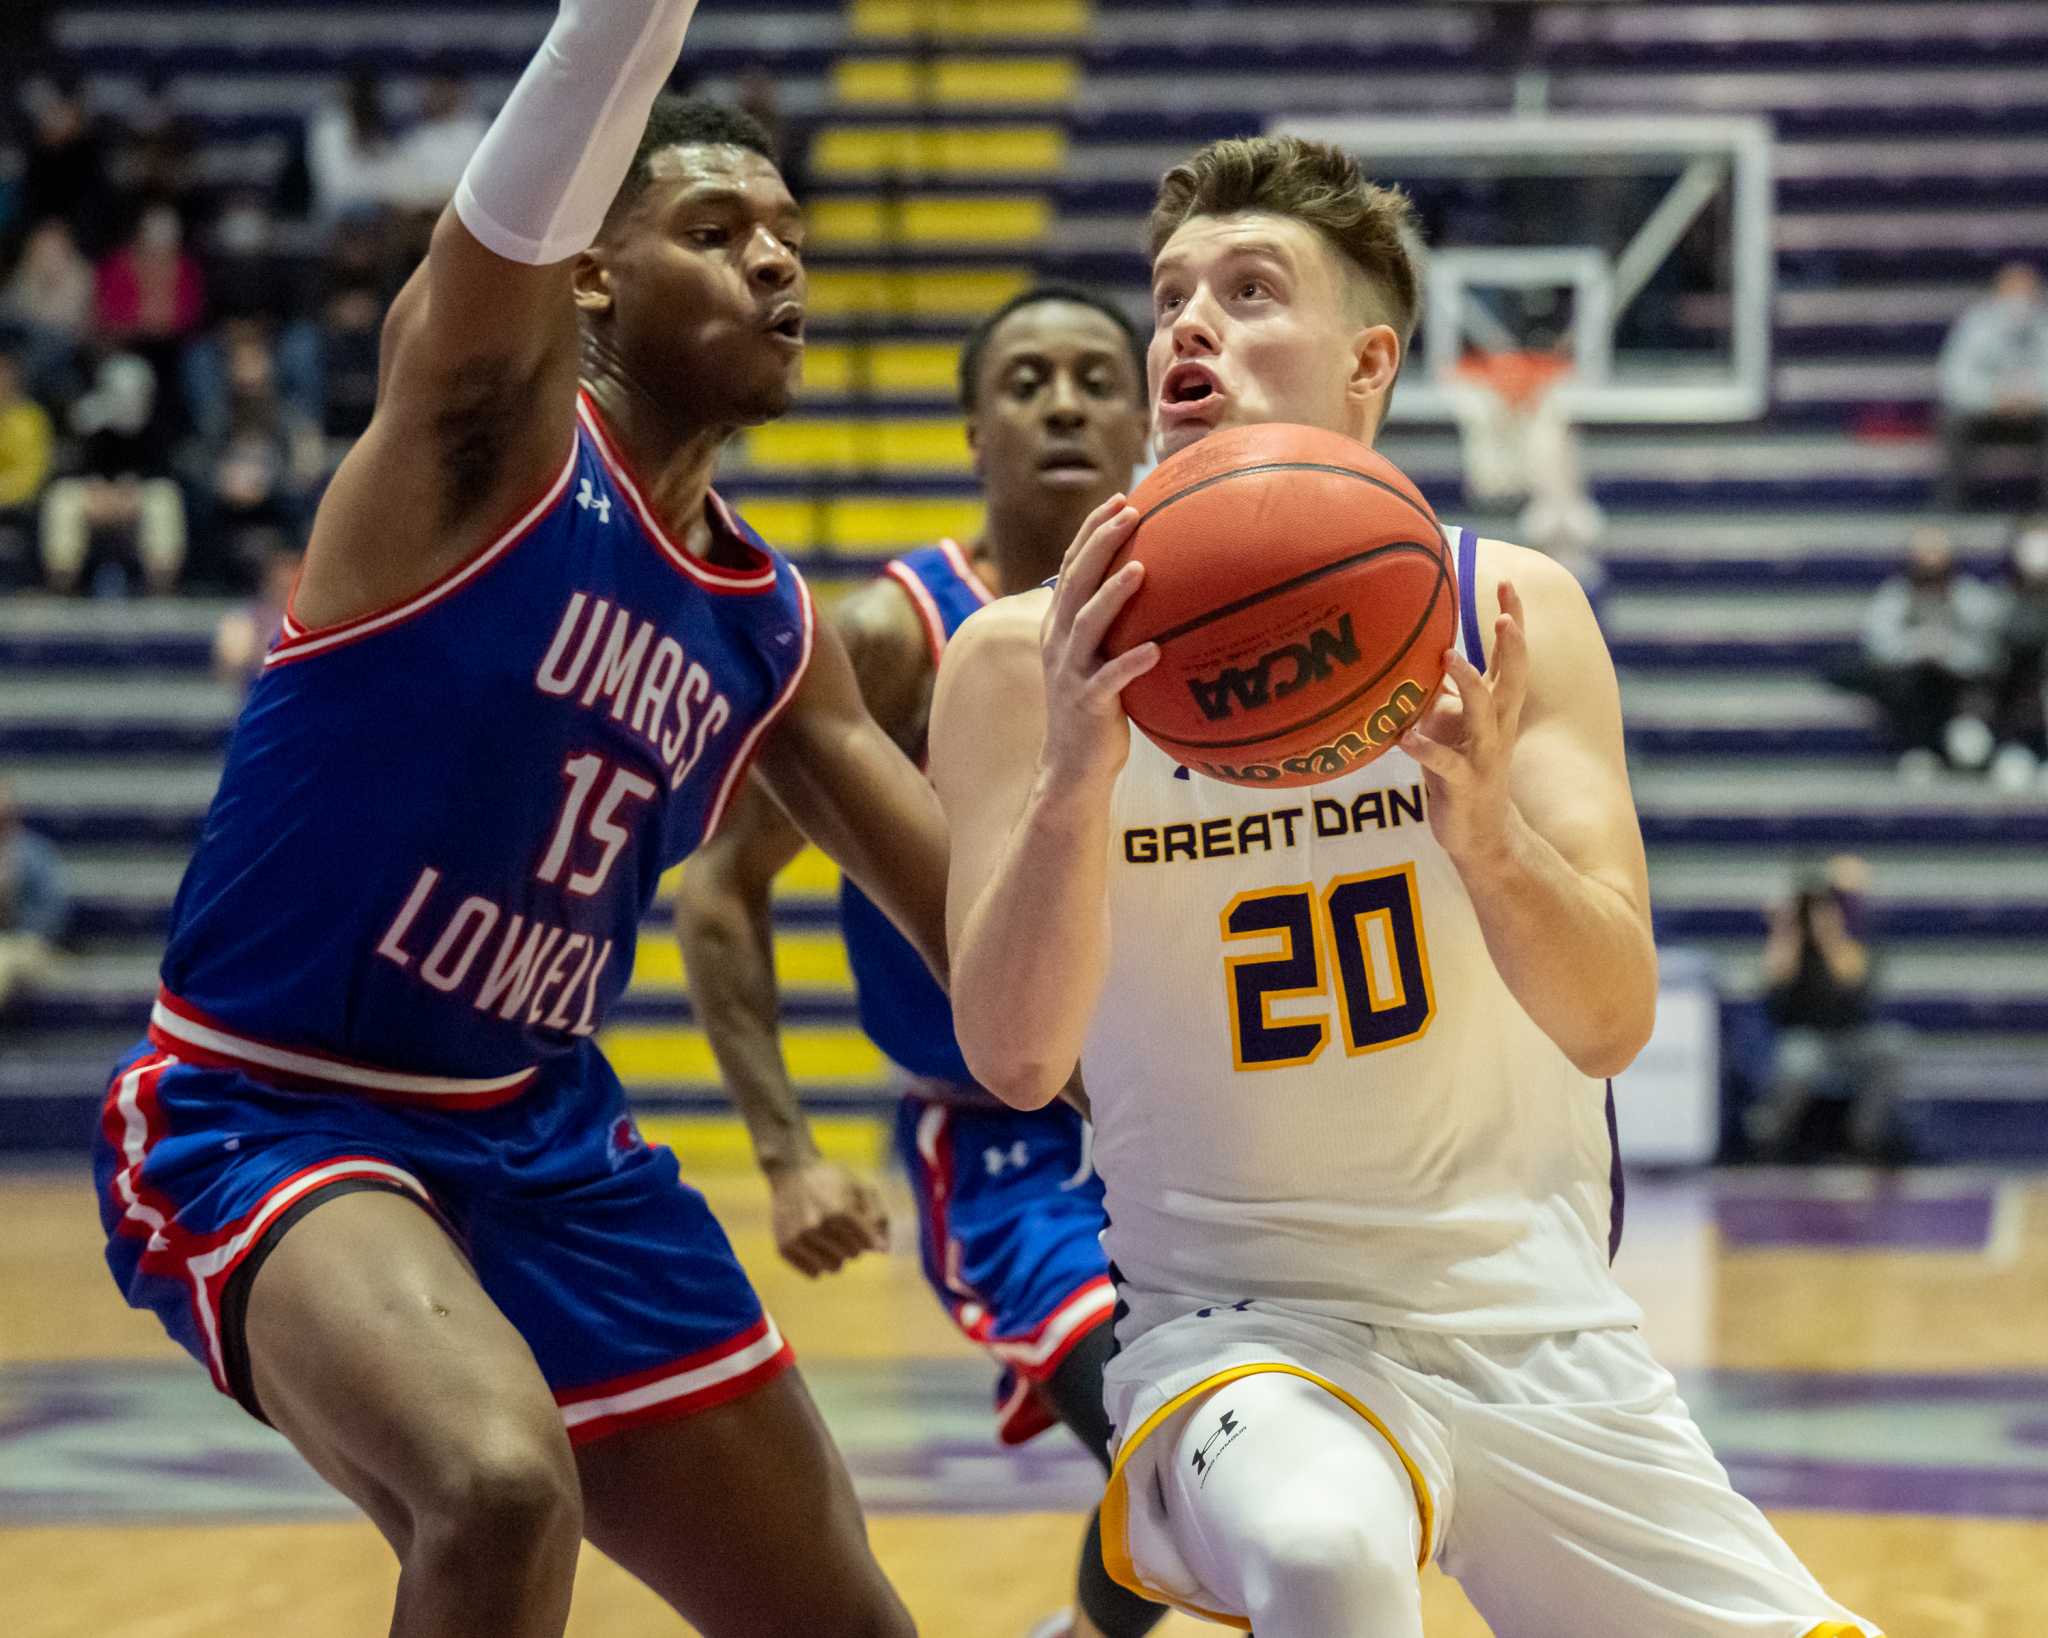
(1010, 1228)
(584, 1235)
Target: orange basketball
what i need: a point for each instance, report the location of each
(1300, 591)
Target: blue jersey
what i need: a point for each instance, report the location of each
(902, 1008)
(440, 826)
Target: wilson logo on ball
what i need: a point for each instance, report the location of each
(1233, 689)
(1348, 749)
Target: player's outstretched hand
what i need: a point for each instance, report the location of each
(1466, 739)
(1087, 736)
(823, 1216)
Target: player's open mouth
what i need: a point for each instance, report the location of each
(1068, 466)
(786, 323)
(1188, 386)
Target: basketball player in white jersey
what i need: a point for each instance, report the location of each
(1347, 1046)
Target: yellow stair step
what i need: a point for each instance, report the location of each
(706, 1143)
(928, 220)
(803, 961)
(967, 293)
(979, 82)
(925, 369)
(811, 875)
(971, 19)
(818, 1056)
(863, 528)
(860, 446)
(944, 150)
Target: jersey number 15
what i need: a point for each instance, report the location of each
(1365, 930)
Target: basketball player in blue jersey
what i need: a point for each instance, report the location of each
(1009, 1212)
(370, 1166)
(1347, 1057)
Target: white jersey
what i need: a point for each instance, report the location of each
(1311, 1085)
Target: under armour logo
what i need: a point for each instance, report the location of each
(589, 497)
(999, 1160)
(1235, 1308)
(1226, 1435)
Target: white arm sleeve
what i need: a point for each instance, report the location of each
(539, 184)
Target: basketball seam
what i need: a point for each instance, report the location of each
(1173, 634)
(1198, 486)
(1401, 653)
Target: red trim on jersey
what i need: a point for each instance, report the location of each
(1024, 1415)
(963, 566)
(921, 601)
(743, 758)
(1039, 1353)
(180, 1028)
(639, 1399)
(711, 576)
(301, 643)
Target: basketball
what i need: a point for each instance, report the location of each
(1302, 596)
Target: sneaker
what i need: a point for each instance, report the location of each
(2014, 768)
(1969, 743)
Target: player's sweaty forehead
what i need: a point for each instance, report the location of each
(1204, 244)
(717, 176)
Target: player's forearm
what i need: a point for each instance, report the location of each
(728, 942)
(1575, 951)
(1029, 958)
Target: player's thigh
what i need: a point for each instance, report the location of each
(743, 1518)
(1614, 1520)
(373, 1348)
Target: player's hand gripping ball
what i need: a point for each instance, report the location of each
(1302, 597)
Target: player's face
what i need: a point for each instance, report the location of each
(1255, 322)
(1059, 415)
(707, 286)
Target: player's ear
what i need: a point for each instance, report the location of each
(590, 281)
(1375, 361)
(974, 443)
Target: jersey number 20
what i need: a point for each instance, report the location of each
(1366, 931)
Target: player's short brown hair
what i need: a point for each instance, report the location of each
(1311, 182)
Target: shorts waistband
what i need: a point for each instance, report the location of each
(181, 1029)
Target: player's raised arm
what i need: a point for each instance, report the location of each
(850, 788)
(1529, 794)
(477, 373)
(1028, 737)
(822, 1215)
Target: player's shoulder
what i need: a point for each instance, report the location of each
(1542, 580)
(878, 617)
(1007, 626)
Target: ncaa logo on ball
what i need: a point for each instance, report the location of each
(1275, 675)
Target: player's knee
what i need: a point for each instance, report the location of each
(1320, 1558)
(504, 1491)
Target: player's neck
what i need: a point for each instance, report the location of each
(673, 459)
(1018, 553)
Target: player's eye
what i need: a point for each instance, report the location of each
(1025, 385)
(708, 238)
(1253, 288)
(1099, 384)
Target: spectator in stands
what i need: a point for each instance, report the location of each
(47, 306)
(151, 292)
(65, 175)
(1930, 654)
(27, 450)
(34, 906)
(350, 322)
(1829, 1044)
(432, 154)
(121, 514)
(252, 467)
(349, 149)
(1994, 379)
(2020, 721)
(245, 634)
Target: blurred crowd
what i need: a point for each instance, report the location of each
(184, 351)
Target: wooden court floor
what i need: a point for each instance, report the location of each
(1871, 1362)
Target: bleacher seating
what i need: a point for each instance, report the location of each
(960, 148)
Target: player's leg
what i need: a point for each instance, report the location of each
(1607, 1516)
(1102, 1608)
(1289, 1510)
(744, 1519)
(372, 1347)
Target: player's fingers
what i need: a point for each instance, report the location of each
(1476, 702)
(798, 1253)
(1095, 520)
(872, 1217)
(1081, 571)
(1511, 660)
(1445, 761)
(1092, 624)
(847, 1237)
(1119, 673)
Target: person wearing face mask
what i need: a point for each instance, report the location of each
(1820, 974)
(2021, 720)
(1930, 650)
(1994, 379)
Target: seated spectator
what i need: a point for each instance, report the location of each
(1930, 654)
(1994, 380)
(1830, 1045)
(65, 175)
(151, 292)
(245, 634)
(350, 325)
(34, 906)
(349, 151)
(2020, 715)
(431, 155)
(252, 467)
(121, 514)
(47, 306)
(27, 449)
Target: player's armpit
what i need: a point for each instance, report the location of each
(853, 792)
